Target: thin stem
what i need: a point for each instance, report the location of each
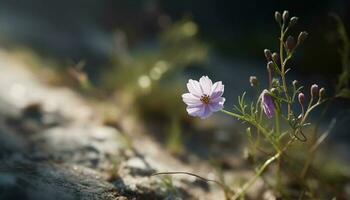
(283, 66)
(313, 149)
(257, 125)
(261, 170)
(233, 114)
(256, 176)
(222, 186)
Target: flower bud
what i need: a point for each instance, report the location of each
(285, 15)
(290, 43)
(270, 65)
(321, 93)
(302, 37)
(278, 17)
(300, 117)
(275, 57)
(268, 54)
(275, 82)
(295, 82)
(274, 91)
(301, 98)
(267, 104)
(314, 90)
(293, 21)
(253, 81)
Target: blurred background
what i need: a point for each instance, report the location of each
(136, 56)
(131, 60)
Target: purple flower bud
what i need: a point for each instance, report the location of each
(267, 104)
(314, 90)
(290, 43)
(301, 98)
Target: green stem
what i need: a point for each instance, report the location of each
(283, 66)
(257, 125)
(261, 170)
(256, 176)
(233, 114)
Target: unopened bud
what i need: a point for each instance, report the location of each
(275, 82)
(275, 57)
(268, 54)
(270, 65)
(295, 82)
(321, 93)
(301, 98)
(302, 37)
(253, 81)
(290, 43)
(278, 17)
(293, 21)
(314, 90)
(274, 91)
(300, 117)
(285, 15)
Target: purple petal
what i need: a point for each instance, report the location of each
(217, 104)
(267, 104)
(207, 112)
(191, 100)
(217, 90)
(194, 88)
(205, 84)
(196, 111)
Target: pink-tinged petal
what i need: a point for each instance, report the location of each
(191, 100)
(207, 112)
(217, 90)
(205, 84)
(194, 88)
(217, 105)
(218, 99)
(195, 111)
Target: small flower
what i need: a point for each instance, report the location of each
(267, 104)
(204, 97)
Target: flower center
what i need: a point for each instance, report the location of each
(205, 99)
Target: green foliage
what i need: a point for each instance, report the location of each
(287, 125)
(342, 88)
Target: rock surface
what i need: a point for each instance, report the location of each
(53, 146)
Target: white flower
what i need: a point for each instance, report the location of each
(204, 97)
